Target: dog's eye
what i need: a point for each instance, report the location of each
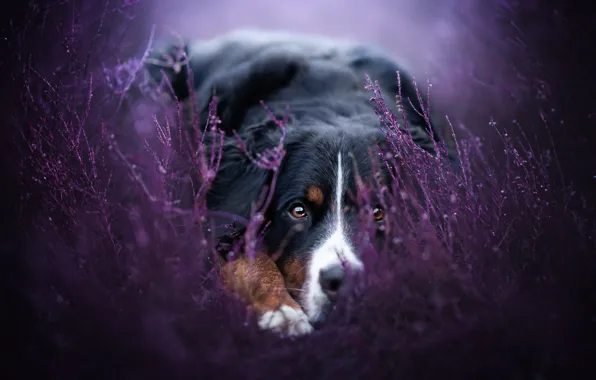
(378, 214)
(298, 211)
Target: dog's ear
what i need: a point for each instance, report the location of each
(382, 68)
(240, 183)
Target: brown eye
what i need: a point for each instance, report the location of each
(378, 214)
(298, 211)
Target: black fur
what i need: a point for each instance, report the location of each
(322, 82)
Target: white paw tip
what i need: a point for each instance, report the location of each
(286, 321)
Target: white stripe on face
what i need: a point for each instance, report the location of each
(335, 249)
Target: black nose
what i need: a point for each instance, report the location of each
(331, 280)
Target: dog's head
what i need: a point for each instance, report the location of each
(318, 209)
(318, 203)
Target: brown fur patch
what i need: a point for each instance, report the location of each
(315, 195)
(258, 282)
(294, 272)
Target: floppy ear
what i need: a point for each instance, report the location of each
(240, 80)
(380, 67)
(240, 183)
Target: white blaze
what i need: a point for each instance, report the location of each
(335, 249)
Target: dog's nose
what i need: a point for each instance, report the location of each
(331, 280)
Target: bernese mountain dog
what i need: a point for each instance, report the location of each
(307, 249)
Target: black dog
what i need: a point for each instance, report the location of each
(331, 129)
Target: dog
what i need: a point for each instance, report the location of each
(307, 251)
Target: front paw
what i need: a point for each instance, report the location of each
(286, 321)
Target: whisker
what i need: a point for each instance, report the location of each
(297, 290)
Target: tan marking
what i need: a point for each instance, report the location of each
(258, 282)
(294, 272)
(315, 195)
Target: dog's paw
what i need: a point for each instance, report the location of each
(286, 321)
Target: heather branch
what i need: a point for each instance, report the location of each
(269, 159)
(135, 70)
(137, 177)
(95, 36)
